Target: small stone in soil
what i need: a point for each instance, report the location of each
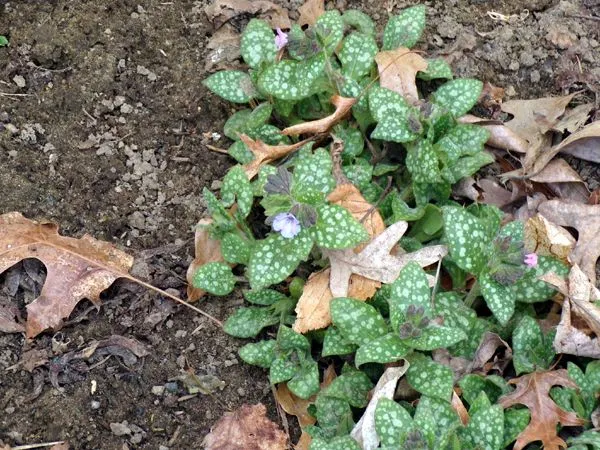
(120, 429)
(158, 390)
(95, 404)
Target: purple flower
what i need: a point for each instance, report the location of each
(531, 260)
(286, 224)
(281, 39)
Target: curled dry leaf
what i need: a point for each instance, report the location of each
(563, 181)
(206, 250)
(533, 118)
(342, 105)
(494, 193)
(8, 322)
(76, 268)
(547, 239)
(313, 306)
(586, 220)
(398, 71)
(246, 428)
(224, 48)
(484, 360)
(533, 390)
(310, 11)
(574, 118)
(220, 11)
(460, 409)
(265, 154)
(571, 341)
(585, 144)
(501, 136)
(491, 96)
(364, 431)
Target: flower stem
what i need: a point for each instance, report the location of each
(473, 294)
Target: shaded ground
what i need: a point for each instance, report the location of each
(108, 136)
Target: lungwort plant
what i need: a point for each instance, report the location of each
(327, 106)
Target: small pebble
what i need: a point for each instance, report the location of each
(126, 108)
(120, 429)
(158, 390)
(20, 81)
(95, 404)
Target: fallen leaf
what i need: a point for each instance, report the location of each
(76, 268)
(364, 431)
(532, 390)
(220, 11)
(224, 48)
(312, 310)
(265, 154)
(563, 181)
(547, 239)
(375, 261)
(310, 11)
(533, 118)
(466, 188)
(398, 70)
(596, 418)
(32, 359)
(586, 220)
(246, 428)
(574, 118)
(584, 144)
(494, 193)
(8, 322)
(459, 407)
(206, 250)
(491, 96)
(501, 136)
(488, 347)
(298, 407)
(342, 105)
(571, 341)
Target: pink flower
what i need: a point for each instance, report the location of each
(531, 260)
(286, 224)
(281, 39)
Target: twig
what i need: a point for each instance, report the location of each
(436, 281)
(579, 16)
(94, 121)
(6, 94)
(217, 149)
(385, 192)
(45, 444)
(281, 412)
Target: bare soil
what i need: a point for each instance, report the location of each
(105, 132)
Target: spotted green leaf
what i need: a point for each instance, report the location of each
(292, 80)
(435, 418)
(215, 277)
(236, 185)
(498, 298)
(436, 336)
(532, 350)
(588, 383)
(466, 237)
(240, 152)
(259, 354)
(405, 29)
(431, 378)
(337, 229)
(515, 421)
(467, 166)
(391, 420)
(330, 30)
(263, 174)
(232, 85)
(410, 288)
(334, 343)
(334, 416)
(422, 162)
(385, 349)
(276, 257)
(462, 140)
(282, 369)
(353, 140)
(258, 43)
(312, 173)
(288, 339)
(236, 124)
(265, 297)
(458, 96)
(338, 443)
(357, 55)
(247, 322)
(359, 174)
(352, 387)
(395, 129)
(588, 440)
(235, 249)
(305, 381)
(384, 103)
(358, 322)
(472, 385)
(359, 20)
(485, 429)
(530, 289)
(436, 69)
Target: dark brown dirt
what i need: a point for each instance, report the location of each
(108, 137)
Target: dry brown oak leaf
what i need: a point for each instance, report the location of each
(343, 105)
(586, 220)
(76, 268)
(532, 390)
(246, 428)
(310, 11)
(265, 154)
(398, 71)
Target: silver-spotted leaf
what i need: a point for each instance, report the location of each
(530, 289)
(337, 443)
(259, 354)
(282, 369)
(391, 420)
(214, 277)
(463, 140)
(305, 382)
(330, 29)
(352, 387)
(405, 29)
(235, 249)
(422, 162)
(436, 336)
(431, 378)
(288, 339)
(237, 186)
(498, 298)
(458, 96)
(334, 343)
(385, 103)
(466, 237)
(337, 229)
(410, 288)
(258, 44)
(292, 80)
(436, 69)
(357, 321)
(360, 21)
(232, 85)
(247, 322)
(385, 349)
(357, 55)
(265, 297)
(532, 350)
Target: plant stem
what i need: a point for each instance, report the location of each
(473, 294)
